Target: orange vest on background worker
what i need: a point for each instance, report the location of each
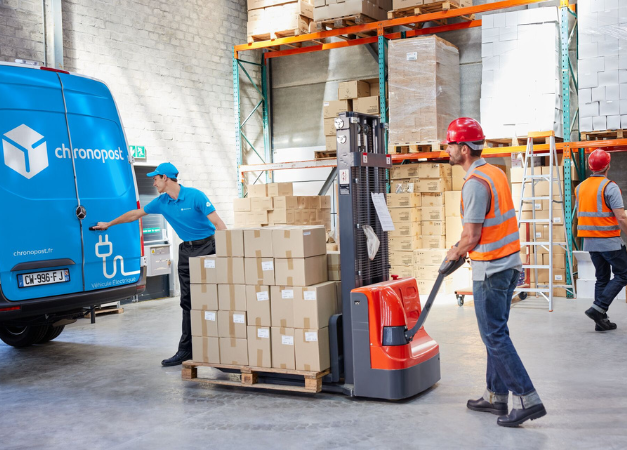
(595, 218)
(499, 235)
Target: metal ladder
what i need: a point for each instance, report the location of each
(546, 291)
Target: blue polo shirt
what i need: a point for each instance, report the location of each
(187, 214)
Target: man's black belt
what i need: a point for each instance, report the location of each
(199, 241)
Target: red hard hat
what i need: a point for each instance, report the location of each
(464, 129)
(598, 160)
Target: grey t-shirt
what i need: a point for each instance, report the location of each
(614, 200)
(476, 198)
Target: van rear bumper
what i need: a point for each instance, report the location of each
(69, 302)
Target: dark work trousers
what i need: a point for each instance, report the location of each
(188, 250)
(606, 263)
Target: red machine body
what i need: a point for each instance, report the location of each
(392, 304)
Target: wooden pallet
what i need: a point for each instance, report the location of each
(102, 311)
(325, 154)
(518, 141)
(278, 34)
(602, 135)
(346, 21)
(248, 377)
(418, 147)
(426, 9)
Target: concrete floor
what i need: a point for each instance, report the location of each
(102, 387)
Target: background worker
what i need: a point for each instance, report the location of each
(490, 235)
(195, 220)
(601, 217)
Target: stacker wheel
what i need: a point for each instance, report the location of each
(460, 299)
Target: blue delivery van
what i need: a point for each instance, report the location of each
(65, 165)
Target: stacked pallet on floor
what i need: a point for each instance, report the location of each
(271, 19)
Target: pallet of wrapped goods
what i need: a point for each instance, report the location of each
(406, 8)
(417, 147)
(424, 85)
(335, 14)
(289, 19)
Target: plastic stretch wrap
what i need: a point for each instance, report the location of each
(602, 64)
(424, 89)
(521, 76)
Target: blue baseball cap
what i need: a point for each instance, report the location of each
(166, 169)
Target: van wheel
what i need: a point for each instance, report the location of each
(52, 333)
(20, 336)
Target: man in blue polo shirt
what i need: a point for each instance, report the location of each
(195, 220)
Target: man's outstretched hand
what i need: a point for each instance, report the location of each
(101, 226)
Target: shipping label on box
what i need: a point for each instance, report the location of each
(353, 89)
(202, 269)
(314, 305)
(259, 271)
(204, 323)
(259, 346)
(204, 296)
(258, 243)
(257, 190)
(230, 270)
(283, 348)
(432, 185)
(333, 265)
(433, 213)
(229, 242)
(258, 305)
(437, 171)
(367, 105)
(432, 199)
(429, 257)
(332, 108)
(401, 258)
(232, 324)
(402, 271)
(406, 200)
(206, 349)
(280, 189)
(404, 171)
(453, 200)
(400, 215)
(282, 306)
(435, 242)
(301, 271)
(299, 242)
(241, 204)
(404, 244)
(234, 351)
(312, 349)
(433, 228)
(232, 297)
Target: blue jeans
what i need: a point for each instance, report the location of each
(493, 298)
(606, 290)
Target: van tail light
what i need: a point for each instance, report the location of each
(11, 308)
(52, 69)
(141, 231)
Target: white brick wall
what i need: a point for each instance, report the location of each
(21, 30)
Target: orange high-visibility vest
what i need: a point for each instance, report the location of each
(499, 235)
(595, 218)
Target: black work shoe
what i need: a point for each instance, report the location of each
(482, 405)
(518, 416)
(598, 318)
(611, 325)
(177, 359)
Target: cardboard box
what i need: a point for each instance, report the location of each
(401, 215)
(257, 190)
(229, 242)
(204, 323)
(241, 204)
(299, 242)
(406, 229)
(333, 266)
(258, 305)
(260, 204)
(404, 171)
(425, 287)
(314, 305)
(312, 349)
(283, 352)
(432, 185)
(206, 349)
(430, 199)
(232, 324)
(458, 175)
(301, 271)
(398, 4)
(230, 270)
(255, 4)
(367, 105)
(280, 189)
(259, 271)
(401, 258)
(285, 202)
(433, 228)
(329, 127)
(282, 306)
(232, 297)
(234, 351)
(330, 143)
(402, 271)
(406, 200)
(453, 201)
(332, 108)
(429, 257)
(258, 218)
(433, 213)
(559, 276)
(281, 217)
(353, 89)
(202, 269)
(240, 219)
(454, 227)
(434, 170)
(259, 346)
(433, 242)
(429, 273)
(404, 244)
(204, 296)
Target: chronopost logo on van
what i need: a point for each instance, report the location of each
(26, 152)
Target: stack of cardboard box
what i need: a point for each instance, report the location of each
(264, 299)
(333, 9)
(266, 17)
(275, 204)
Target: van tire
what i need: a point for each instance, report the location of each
(22, 336)
(52, 333)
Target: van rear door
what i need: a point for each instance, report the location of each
(106, 183)
(39, 230)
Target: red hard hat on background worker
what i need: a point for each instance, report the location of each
(465, 130)
(598, 160)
